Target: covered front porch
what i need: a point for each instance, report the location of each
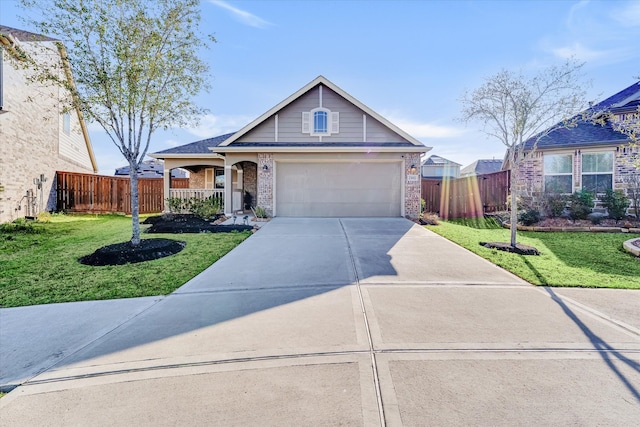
(230, 184)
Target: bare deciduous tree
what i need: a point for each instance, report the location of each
(520, 110)
(135, 64)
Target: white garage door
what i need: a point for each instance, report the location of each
(338, 189)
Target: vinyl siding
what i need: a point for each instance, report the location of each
(290, 123)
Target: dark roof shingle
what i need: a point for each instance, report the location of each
(198, 147)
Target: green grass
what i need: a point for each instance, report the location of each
(594, 260)
(39, 262)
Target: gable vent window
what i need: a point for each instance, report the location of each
(320, 122)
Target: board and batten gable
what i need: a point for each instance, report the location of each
(355, 126)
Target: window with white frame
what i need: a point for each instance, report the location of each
(66, 123)
(320, 122)
(558, 173)
(597, 171)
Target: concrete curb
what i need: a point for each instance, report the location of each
(630, 247)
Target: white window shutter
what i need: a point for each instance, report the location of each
(306, 122)
(335, 122)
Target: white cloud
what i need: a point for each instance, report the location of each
(426, 130)
(584, 53)
(242, 15)
(628, 15)
(212, 125)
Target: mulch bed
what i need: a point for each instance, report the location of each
(125, 253)
(185, 223)
(150, 249)
(518, 249)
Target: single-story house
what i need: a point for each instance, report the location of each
(481, 167)
(589, 156)
(319, 152)
(436, 167)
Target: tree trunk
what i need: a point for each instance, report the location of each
(135, 208)
(514, 205)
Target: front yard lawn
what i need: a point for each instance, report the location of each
(40, 266)
(594, 260)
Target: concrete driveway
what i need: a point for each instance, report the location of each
(331, 322)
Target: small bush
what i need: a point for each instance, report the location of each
(554, 204)
(260, 212)
(616, 203)
(429, 219)
(529, 217)
(423, 204)
(20, 225)
(206, 209)
(44, 216)
(176, 204)
(580, 204)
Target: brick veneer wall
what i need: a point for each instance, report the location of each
(250, 180)
(265, 182)
(412, 189)
(196, 179)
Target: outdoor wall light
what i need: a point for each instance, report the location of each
(265, 167)
(413, 169)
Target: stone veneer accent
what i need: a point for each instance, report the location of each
(265, 182)
(412, 189)
(250, 181)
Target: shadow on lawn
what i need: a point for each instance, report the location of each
(608, 354)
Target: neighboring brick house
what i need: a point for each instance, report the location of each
(436, 167)
(36, 140)
(320, 152)
(590, 156)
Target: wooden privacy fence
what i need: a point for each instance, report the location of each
(83, 192)
(467, 197)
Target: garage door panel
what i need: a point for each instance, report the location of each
(338, 189)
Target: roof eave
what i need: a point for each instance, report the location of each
(185, 155)
(323, 149)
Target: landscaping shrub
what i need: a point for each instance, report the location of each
(176, 204)
(260, 212)
(580, 204)
(206, 209)
(529, 217)
(616, 203)
(429, 218)
(554, 204)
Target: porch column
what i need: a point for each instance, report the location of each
(228, 190)
(240, 186)
(167, 188)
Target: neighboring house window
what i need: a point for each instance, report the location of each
(597, 172)
(558, 176)
(320, 122)
(66, 123)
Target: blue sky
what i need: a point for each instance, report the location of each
(407, 60)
